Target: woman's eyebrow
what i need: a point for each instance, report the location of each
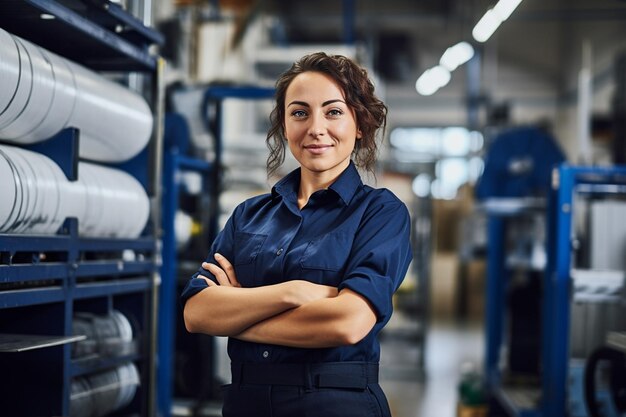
(298, 103)
(324, 104)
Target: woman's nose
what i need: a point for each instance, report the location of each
(317, 126)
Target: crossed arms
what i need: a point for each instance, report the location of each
(294, 313)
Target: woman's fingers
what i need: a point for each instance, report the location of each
(220, 275)
(228, 268)
(224, 273)
(208, 281)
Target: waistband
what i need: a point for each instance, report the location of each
(355, 375)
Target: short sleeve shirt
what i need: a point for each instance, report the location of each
(349, 236)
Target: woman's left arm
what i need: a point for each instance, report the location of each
(328, 322)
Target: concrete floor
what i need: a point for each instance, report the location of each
(432, 393)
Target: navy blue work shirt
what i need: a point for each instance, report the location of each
(348, 236)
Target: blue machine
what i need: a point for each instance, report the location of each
(513, 189)
(519, 164)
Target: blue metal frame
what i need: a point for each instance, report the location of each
(124, 278)
(556, 315)
(173, 164)
(494, 302)
(496, 285)
(216, 95)
(89, 38)
(131, 53)
(568, 181)
(62, 148)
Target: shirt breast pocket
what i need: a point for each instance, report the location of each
(247, 248)
(328, 253)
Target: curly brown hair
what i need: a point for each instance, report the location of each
(371, 112)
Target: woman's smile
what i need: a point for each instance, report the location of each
(317, 149)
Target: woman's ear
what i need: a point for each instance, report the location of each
(359, 135)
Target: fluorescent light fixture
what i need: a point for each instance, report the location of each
(440, 75)
(486, 26)
(424, 86)
(46, 16)
(504, 8)
(432, 80)
(456, 55)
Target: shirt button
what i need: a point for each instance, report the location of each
(279, 252)
(266, 354)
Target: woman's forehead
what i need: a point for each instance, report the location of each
(314, 85)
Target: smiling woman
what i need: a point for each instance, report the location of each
(320, 129)
(301, 279)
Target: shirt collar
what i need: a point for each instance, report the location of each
(345, 186)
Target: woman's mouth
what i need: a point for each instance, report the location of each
(317, 149)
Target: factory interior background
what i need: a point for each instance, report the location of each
(130, 129)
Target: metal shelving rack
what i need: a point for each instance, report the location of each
(517, 401)
(44, 280)
(174, 268)
(549, 398)
(174, 164)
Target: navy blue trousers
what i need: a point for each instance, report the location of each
(297, 390)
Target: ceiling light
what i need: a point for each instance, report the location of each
(486, 26)
(432, 80)
(504, 8)
(456, 55)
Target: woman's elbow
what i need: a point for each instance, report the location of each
(191, 323)
(196, 318)
(352, 333)
(351, 337)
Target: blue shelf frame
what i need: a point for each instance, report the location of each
(216, 95)
(568, 181)
(87, 32)
(91, 31)
(59, 285)
(173, 163)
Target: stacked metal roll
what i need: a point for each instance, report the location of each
(41, 93)
(102, 393)
(30, 187)
(37, 197)
(107, 335)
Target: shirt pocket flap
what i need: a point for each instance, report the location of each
(329, 253)
(247, 247)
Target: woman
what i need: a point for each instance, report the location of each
(301, 279)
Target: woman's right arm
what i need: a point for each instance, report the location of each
(224, 308)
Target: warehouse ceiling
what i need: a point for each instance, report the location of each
(408, 36)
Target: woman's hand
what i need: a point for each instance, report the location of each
(224, 273)
(305, 291)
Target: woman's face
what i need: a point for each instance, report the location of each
(319, 126)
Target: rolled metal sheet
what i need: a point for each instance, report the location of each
(116, 203)
(37, 197)
(21, 97)
(40, 99)
(41, 93)
(9, 69)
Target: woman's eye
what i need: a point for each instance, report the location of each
(335, 112)
(298, 113)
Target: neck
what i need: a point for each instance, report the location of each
(311, 182)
